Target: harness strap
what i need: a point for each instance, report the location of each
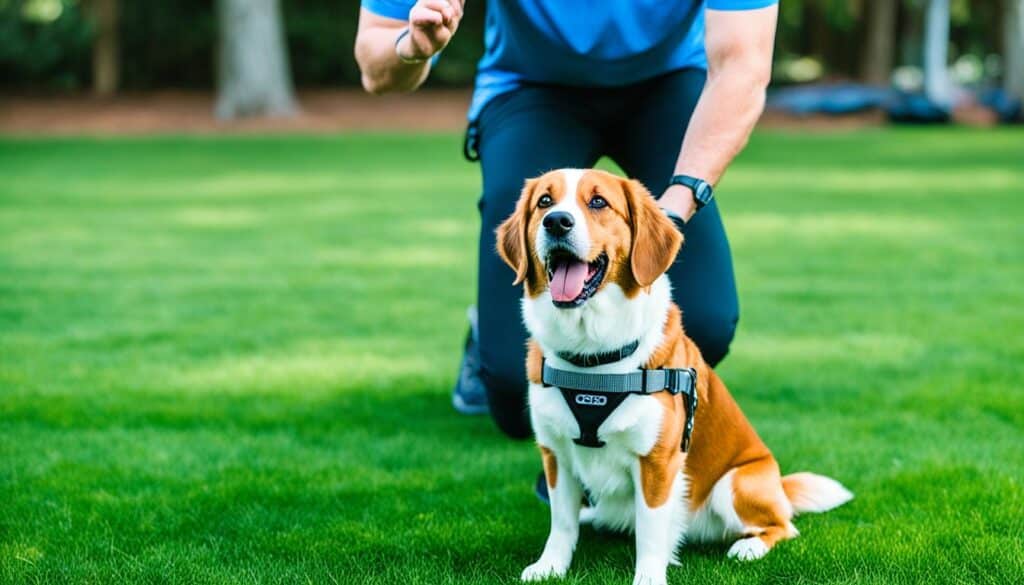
(638, 382)
(593, 397)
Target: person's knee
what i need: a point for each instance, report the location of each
(498, 200)
(506, 397)
(713, 333)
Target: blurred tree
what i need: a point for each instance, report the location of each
(106, 62)
(880, 41)
(1013, 51)
(937, 84)
(44, 45)
(911, 35)
(253, 77)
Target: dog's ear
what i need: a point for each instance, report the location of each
(512, 235)
(656, 241)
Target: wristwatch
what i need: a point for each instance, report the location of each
(702, 191)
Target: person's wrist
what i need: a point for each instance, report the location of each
(679, 201)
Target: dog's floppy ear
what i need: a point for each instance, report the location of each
(512, 236)
(656, 240)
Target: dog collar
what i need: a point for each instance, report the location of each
(593, 397)
(589, 360)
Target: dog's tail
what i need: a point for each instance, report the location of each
(809, 492)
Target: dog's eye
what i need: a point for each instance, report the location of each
(597, 202)
(545, 201)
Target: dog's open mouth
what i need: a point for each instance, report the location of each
(572, 280)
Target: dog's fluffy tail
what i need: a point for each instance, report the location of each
(809, 492)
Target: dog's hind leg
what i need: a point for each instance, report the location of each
(762, 508)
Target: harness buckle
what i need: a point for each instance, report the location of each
(690, 398)
(675, 381)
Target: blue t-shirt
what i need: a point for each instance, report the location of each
(589, 43)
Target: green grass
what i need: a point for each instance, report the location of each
(228, 360)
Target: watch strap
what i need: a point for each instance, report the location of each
(702, 191)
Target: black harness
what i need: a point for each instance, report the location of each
(592, 398)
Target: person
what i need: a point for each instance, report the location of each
(668, 89)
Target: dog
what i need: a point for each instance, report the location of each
(591, 250)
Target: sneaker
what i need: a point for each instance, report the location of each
(470, 395)
(541, 489)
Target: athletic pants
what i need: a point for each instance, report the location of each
(537, 128)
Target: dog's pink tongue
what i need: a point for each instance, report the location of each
(567, 280)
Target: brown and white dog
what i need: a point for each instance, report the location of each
(592, 250)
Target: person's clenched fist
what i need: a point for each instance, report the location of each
(431, 26)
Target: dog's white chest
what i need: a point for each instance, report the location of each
(631, 430)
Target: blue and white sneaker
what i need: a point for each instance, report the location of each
(540, 489)
(470, 395)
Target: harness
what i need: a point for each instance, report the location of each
(592, 398)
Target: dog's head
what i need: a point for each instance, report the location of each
(575, 231)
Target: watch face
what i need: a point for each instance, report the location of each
(703, 193)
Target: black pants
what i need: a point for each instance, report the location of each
(535, 129)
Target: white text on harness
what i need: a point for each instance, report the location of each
(591, 400)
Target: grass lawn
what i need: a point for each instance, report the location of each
(229, 360)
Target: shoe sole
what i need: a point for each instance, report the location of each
(468, 409)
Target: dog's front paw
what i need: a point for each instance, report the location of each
(544, 569)
(649, 578)
(747, 549)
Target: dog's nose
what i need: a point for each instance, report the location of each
(558, 223)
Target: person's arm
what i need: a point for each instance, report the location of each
(739, 46)
(431, 24)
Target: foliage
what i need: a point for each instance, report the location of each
(228, 360)
(43, 45)
(172, 44)
(168, 43)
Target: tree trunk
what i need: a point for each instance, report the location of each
(937, 84)
(817, 31)
(911, 43)
(254, 78)
(880, 40)
(106, 63)
(1013, 50)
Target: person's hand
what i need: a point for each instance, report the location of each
(678, 203)
(431, 26)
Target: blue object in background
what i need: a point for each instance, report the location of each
(1009, 107)
(836, 99)
(901, 107)
(915, 108)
